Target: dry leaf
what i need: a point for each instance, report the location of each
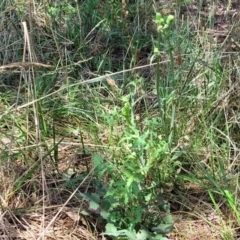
(111, 83)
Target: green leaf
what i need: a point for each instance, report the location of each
(156, 50)
(143, 234)
(168, 219)
(176, 155)
(93, 205)
(159, 237)
(104, 214)
(110, 227)
(131, 235)
(129, 181)
(106, 204)
(169, 19)
(158, 16)
(148, 197)
(111, 230)
(135, 188)
(97, 160)
(159, 19)
(93, 197)
(163, 228)
(164, 206)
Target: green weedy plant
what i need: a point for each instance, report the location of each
(132, 202)
(164, 31)
(166, 82)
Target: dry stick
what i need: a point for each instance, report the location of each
(23, 65)
(29, 46)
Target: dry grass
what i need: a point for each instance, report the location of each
(35, 200)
